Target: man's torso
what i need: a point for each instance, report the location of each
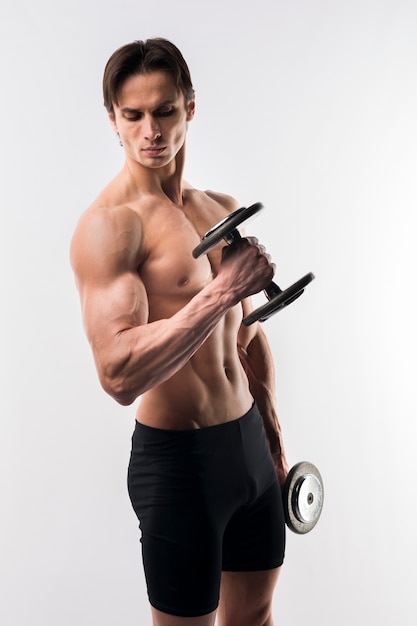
(212, 387)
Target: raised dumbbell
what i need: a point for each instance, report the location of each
(226, 229)
(303, 496)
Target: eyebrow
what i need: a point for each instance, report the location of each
(133, 110)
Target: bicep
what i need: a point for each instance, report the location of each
(112, 308)
(105, 252)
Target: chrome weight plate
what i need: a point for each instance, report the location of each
(303, 495)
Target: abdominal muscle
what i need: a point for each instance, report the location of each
(212, 388)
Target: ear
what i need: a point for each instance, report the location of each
(112, 120)
(190, 109)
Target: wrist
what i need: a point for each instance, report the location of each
(225, 295)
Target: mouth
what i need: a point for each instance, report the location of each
(154, 151)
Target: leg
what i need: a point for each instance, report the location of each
(182, 494)
(253, 542)
(246, 598)
(163, 619)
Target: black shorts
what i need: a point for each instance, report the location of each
(207, 500)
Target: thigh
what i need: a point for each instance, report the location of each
(255, 537)
(171, 478)
(182, 561)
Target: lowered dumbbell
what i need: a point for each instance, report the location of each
(226, 229)
(303, 496)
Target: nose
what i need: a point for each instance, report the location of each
(152, 132)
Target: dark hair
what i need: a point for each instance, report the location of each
(141, 57)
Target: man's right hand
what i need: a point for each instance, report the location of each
(247, 267)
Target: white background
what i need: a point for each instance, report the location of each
(308, 106)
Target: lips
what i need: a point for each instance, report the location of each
(154, 151)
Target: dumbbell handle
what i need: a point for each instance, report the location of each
(272, 290)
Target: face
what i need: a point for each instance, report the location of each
(151, 118)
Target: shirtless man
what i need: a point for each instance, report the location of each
(207, 458)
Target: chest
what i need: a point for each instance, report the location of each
(169, 271)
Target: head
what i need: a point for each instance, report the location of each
(144, 57)
(150, 100)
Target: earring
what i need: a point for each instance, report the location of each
(120, 141)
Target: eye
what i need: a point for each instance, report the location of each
(133, 117)
(165, 112)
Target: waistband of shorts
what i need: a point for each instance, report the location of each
(253, 413)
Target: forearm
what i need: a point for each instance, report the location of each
(258, 364)
(145, 355)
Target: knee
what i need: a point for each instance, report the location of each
(246, 598)
(244, 615)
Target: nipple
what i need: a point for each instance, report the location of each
(183, 281)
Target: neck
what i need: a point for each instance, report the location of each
(167, 180)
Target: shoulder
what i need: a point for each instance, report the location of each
(104, 234)
(101, 225)
(210, 197)
(226, 201)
